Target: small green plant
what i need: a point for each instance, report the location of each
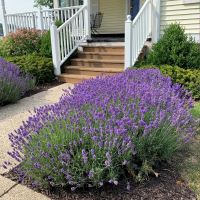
(45, 48)
(175, 48)
(38, 66)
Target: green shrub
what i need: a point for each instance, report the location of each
(190, 78)
(40, 67)
(175, 48)
(21, 42)
(45, 48)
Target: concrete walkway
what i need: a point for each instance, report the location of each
(11, 117)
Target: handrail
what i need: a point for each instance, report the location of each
(63, 8)
(139, 30)
(14, 14)
(66, 39)
(70, 19)
(141, 11)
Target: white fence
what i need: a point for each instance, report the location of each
(145, 25)
(41, 20)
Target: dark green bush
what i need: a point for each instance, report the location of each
(40, 67)
(190, 78)
(45, 48)
(175, 48)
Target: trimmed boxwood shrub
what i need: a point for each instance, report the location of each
(40, 67)
(175, 48)
(189, 78)
(13, 83)
(105, 129)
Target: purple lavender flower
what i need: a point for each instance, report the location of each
(13, 83)
(99, 119)
(84, 156)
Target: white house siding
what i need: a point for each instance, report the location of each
(187, 14)
(114, 16)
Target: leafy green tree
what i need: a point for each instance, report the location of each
(47, 3)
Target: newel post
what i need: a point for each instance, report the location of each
(87, 19)
(128, 42)
(5, 27)
(55, 49)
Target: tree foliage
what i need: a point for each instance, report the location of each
(47, 3)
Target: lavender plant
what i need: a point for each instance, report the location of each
(13, 84)
(104, 129)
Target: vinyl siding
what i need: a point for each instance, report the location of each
(188, 15)
(114, 16)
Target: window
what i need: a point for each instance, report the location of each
(66, 3)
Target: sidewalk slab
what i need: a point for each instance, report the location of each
(21, 192)
(5, 185)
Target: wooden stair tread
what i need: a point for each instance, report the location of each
(97, 60)
(97, 69)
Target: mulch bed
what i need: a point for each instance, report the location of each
(168, 186)
(41, 88)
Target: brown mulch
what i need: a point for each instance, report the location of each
(41, 88)
(168, 186)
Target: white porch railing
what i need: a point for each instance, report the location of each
(145, 25)
(40, 20)
(60, 14)
(66, 39)
(20, 20)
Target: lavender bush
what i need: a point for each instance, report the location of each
(104, 129)
(13, 84)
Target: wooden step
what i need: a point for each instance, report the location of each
(91, 71)
(73, 78)
(101, 55)
(108, 49)
(97, 63)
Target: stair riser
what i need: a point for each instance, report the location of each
(94, 64)
(106, 57)
(104, 49)
(70, 80)
(90, 73)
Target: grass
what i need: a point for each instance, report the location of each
(196, 110)
(190, 167)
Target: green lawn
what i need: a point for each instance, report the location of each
(190, 168)
(196, 110)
